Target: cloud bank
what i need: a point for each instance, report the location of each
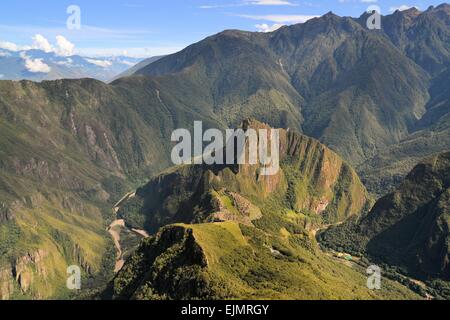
(63, 46)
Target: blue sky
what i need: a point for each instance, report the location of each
(153, 27)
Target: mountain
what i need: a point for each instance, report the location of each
(361, 92)
(206, 76)
(409, 227)
(313, 180)
(136, 67)
(423, 36)
(70, 149)
(228, 233)
(231, 261)
(388, 168)
(38, 65)
(336, 81)
(431, 135)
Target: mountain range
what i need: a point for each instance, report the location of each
(38, 65)
(347, 97)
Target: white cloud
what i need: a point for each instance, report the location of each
(41, 43)
(1, 76)
(8, 46)
(264, 27)
(127, 63)
(403, 7)
(278, 20)
(68, 62)
(12, 46)
(36, 66)
(65, 47)
(100, 63)
(4, 54)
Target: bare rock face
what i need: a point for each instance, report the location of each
(29, 266)
(6, 212)
(23, 272)
(34, 270)
(6, 284)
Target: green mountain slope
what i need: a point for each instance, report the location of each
(231, 84)
(69, 150)
(408, 228)
(423, 36)
(233, 261)
(349, 87)
(136, 67)
(430, 135)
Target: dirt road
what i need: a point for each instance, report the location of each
(115, 234)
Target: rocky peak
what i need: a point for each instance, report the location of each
(442, 12)
(445, 7)
(411, 12)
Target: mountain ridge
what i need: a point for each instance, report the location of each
(38, 65)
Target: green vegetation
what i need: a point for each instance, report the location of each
(408, 228)
(234, 261)
(131, 210)
(9, 238)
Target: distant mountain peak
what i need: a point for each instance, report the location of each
(38, 65)
(440, 9)
(330, 17)
(412, 10)
(444, 6)
(410, 13)
(330, 14)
